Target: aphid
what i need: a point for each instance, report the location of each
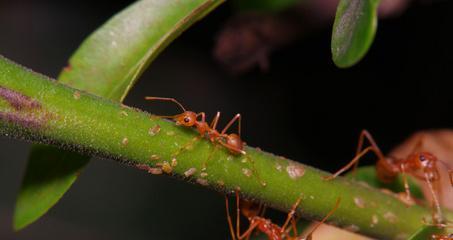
(420, 164)
(265, 226)
(232, 142)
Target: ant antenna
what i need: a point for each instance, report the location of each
(337, 204)
(166, 99)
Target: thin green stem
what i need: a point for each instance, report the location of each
(35, 108)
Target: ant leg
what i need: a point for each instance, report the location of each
(352, 162)
(364, 134)
(436, 206)
(247, 158)
(406, 185)
(291, 214)
(247, 233)
(238, 214)
(213, 125)
(203, 116)
(437, 185)
(230, 222)
(205, 163)
(237, 117)
(337, 204)
(187, 146)
(214, 122)
(294, 227)
(248, 236)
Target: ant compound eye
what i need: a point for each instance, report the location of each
(186, 119)
(422, 158)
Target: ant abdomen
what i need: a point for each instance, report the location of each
(235, 141)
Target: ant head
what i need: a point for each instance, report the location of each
(187, 119)
(425, 159)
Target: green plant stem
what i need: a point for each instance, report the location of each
(35, 108)
(107, 64)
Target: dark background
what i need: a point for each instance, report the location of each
(303, 108)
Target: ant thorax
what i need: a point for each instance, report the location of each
(202, 127)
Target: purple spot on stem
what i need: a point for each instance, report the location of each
(17, 100)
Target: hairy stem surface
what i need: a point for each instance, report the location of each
(38, 109)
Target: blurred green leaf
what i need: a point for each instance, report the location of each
(353, 31)
(47, 174)
(107, 64)
(264, 5)
(368, 174)
(426, 232)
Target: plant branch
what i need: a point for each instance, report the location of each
(35, 108)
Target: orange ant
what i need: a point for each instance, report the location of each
(271, 230)
(420, 164)
(232, 142)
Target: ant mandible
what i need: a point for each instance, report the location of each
(271, 230)
(232, 142)
(420, 164)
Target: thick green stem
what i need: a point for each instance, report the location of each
(36, 108)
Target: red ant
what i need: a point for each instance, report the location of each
(271, 230)
(232, 141)
(420, 164)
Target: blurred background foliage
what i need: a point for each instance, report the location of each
(301, 106)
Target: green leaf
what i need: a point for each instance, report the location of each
(40, 191)
(110, 60)
(368, 174)
(107, 64)
(264, 5)
(353, 31)
(426, 232)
